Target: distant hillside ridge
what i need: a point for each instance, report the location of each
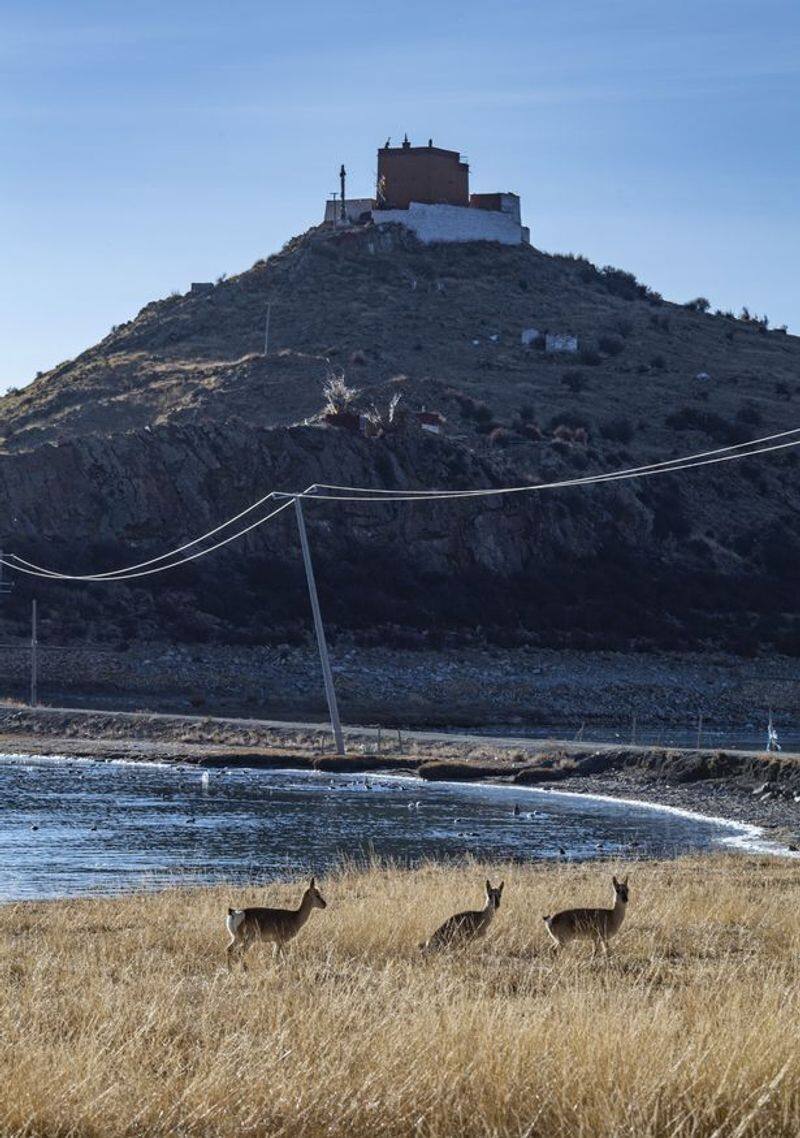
(459, 363)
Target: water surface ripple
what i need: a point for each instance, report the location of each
(72, 827)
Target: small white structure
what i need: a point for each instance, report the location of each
(703, 375)
(434, 223)
(354, 209)
(530, 336)
(560, 342)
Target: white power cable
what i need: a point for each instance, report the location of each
(705, 458)
(51, 575)
(589, 480)
(161, 556)
(113, 574)
(667, 462)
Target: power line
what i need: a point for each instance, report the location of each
(393, 494)
(153, 560)
(516, 489)
(705, 458)
(52, 575)
(589, 480)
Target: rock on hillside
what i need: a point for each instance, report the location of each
(176, 420)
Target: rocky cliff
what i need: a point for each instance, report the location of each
(177, 420)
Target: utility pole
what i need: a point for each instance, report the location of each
(342, 176)
(5, 586)
(34, 661)
(327, 675)
(266, 329)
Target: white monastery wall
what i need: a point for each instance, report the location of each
(433, 223)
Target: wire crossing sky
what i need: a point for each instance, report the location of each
(147, 145)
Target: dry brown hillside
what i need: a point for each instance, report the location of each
(177, 418)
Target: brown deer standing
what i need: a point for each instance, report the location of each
(597, 925)
(465, 927)
(246, 926)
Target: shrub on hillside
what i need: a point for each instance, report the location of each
(699, 419)
(749, 415)
(589, 357)
(572, 419)
(529, 431)
(611, 345)
(624, 327)
(574, 380)
(699, 304)
(617, 430)
(500, 437)
(565, 434)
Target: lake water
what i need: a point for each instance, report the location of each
(72, 827)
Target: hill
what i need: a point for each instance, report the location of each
(177, 419)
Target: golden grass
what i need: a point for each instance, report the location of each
(118, 1017)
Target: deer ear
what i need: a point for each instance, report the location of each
(488, 885)
(616, 883)
(500, 887)
(625, 880)
(313, 881)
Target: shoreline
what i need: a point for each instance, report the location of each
(749, 789)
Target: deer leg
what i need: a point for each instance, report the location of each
(235, 947)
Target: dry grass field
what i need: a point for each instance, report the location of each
(118, 1017)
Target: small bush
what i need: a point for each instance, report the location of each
(500, 437)
(698, 419)
(611, 345)
(574, 380)
(338, 396)
(624, 327)
(358, 358)
(571, 419)
(749, 415)
(564, 434)
(618, 430)
(658, 362)
(699, 304)
(589, 357)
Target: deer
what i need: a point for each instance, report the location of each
(598, 925)
(246, 926)
(463, 928)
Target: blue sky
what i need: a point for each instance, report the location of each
(145, 145)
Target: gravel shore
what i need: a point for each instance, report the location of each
(421, 688)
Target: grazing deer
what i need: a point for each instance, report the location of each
(246, 926)
(598, 925)
(469, 926)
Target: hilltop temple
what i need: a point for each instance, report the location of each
(426, 189)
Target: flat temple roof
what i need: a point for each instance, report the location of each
(421, 150)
